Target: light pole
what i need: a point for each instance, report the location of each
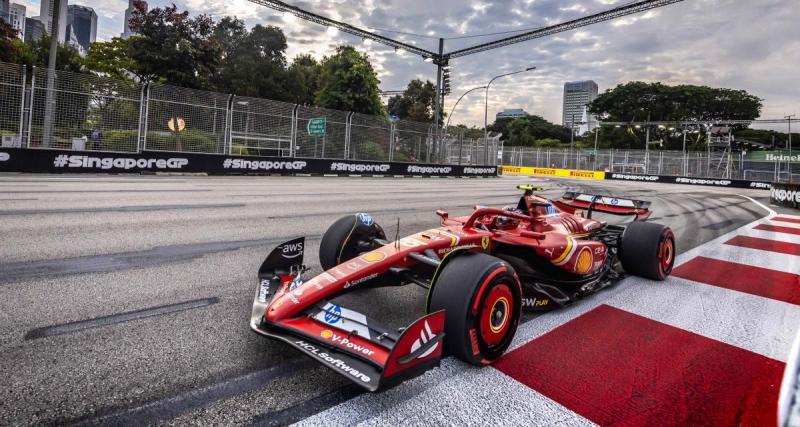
(447, 125)
(486, 110)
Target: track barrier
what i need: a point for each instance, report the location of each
(62, 161)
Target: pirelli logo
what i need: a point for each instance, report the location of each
(566, 173)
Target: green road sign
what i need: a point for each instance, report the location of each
(316, 126)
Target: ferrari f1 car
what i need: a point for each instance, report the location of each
(479, 272)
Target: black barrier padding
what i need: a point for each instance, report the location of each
(62, 161)
(786, 195)
(667, 179)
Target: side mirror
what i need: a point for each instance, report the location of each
(442, 214)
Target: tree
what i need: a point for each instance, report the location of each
(112, 58)
(634, 101)
(174, 48)
(347, 81)
(303, 79)
(253, 63)
(525, 131)
(416, 103)
(8, 48)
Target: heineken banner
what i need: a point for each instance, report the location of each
(60, 161)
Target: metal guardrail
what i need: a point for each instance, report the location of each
(72, 111)
(676, 163)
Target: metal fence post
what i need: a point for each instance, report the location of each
(227, 132)
(392, 129)
(139, 133)
(460, 147)
(347, 134)
(293, 132)
(22, 103)
(33, 102)
(146, 114)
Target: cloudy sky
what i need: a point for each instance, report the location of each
(744, 44)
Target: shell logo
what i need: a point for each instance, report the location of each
(374, 257)
(326, 334)
(584, 262)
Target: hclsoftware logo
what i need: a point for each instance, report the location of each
(265, 165)
(126, 163)
(4, 157)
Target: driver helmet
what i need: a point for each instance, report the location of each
(504, 222)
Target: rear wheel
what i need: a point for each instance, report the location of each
(648, 250)
(348, 237)
(482, 299)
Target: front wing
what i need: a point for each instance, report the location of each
(376, 361)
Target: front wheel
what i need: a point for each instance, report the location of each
(648, 250)
(348, 237)
(482, 299)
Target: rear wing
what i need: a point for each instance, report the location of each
(610, 205)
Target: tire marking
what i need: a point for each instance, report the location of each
(82, 325)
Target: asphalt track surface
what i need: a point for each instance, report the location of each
(126, 300)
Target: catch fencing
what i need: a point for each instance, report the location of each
(691, 163)
(72, 111)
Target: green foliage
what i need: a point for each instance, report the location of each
(117, 140)
(634, 101)
(303, 79)
(416, 103)
(8, 49)
(188, 140)
(766, 137)
(547, 142)
(348, 82)
(113, 59)
(174, 48)
(471, 132)
(252, 63)
(524, 131)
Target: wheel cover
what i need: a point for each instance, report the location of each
(496, 314)
(666, 255)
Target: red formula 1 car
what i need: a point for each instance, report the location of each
(479, 272)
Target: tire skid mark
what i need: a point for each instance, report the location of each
(171, 407)
(128, 316)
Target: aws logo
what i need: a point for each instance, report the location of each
(292, 250)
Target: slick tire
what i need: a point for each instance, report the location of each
(348, 237)
(482, 299)
(648, 250)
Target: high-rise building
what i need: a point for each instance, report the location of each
(82, 22)
(46, 16)
(4, 7)
(34, 29)
(126, 28)
(578, 95)
(16, 17)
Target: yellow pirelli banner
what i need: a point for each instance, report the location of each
(563, 173)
